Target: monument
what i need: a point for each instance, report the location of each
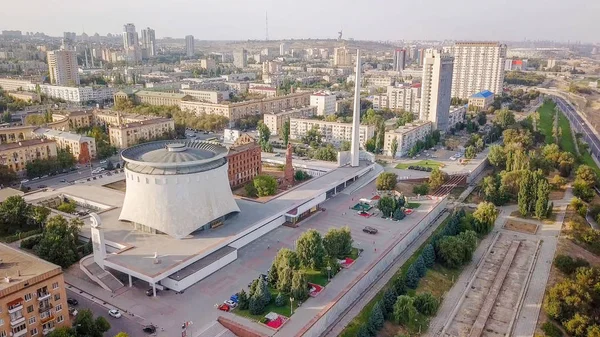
(355, 146)
(288, 174)
(98, 246)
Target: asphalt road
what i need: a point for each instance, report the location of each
(123, 324)
(579, 125)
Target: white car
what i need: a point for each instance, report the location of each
(114, 313)
(230, 304)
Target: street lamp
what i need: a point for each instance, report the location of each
(291, 306)
(328, 273)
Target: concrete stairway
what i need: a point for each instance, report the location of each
(104, 278)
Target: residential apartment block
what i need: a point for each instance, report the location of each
(25, 96)
(244, 161)
(127, 135)
(210, 96)
(62, 66)
(33, 299)
(324, 101)
(342, 57)
(401, 98)
(83, 148)
(150, 97)
(456, 115)
(268, 92)
(478, 66)
(436, 91)
(275, 121)
(331, 132)
(16, 155)
(407, 137)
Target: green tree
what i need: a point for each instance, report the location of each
(386, 205)
(310, 250)
(313, 137)
(284, 283)
(412, 277)
(578, 325)
(470, 152)
(85, 324)
(486, 214)
(59, 241)
(280, 300)
(264, 135)
(421, 189)
(593, 331)
(394, 147)
(496, 156)
(582, 190)
(265, 185)
(345, 145)
(250, 190)
(338, 242)
(437, 179)
(429, 255)
(504, 118)
(527, 191)
(243, 300)
(586, 174)
(376, 320)
(541, 204)
(420, 266)
(386, 181)
(67, 207)
(325, 153)
(7, 176)
(399, 284)
(14, 215)
(426, 304)
(454, 251)
(62, 332)
(285, 132)
(301, 175)
(389, 299)
(404, 310)
(299, 290)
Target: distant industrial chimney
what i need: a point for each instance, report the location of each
(355, 146)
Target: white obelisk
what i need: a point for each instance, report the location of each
(355, 146)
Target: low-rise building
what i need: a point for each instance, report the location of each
(77, 119)
(244, 161)
(324, 101)
(331, 132)
(107, 117)
(481, 100)
(210, 96)
(33, 299)
(379, 81)
(239, 77)
(208, 64)
(407, 137)
(16, 84)
(25, 96)
(17, 155)
(456, 115)
(150, 97)
(127, 135)
(400, 98)
(83, 148)
(77, 94)
(275, 121)
(268, 92)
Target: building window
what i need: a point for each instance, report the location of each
(45, 314)
(60, 319)
(2, 333)
(31, 320)
(29, 309)
(55, 285)
(34, 331)
(27, 297)
(58, 307)
(56, 297)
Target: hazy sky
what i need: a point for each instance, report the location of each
(373, 19)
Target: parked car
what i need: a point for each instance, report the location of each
(72, 301)
(365, 214)
(114, 313)
(63, 180)
(370, 230)
(42, 186)
(149, 292)
(231, 304)
(149, 329)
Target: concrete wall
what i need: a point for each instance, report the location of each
(200, 274)
(477, 171)
(258, 233)
(328, 316)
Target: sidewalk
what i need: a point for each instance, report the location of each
(357, 307)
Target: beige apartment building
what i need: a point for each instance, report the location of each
(268, 92)
(235, 111)
(113, 118)
(16, 155)
(25, 96)
(79, 145)
(77, 119)
(407, 137)
(150, 97)
(331, 132)
(210, 96)
(126, 135)
(33, 299)
(62, 66)
(275, 121)
(208, 64)
(342, 57)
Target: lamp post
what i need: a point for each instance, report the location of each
(328, 273)
(291, 306)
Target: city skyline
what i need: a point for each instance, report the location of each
(537, 20)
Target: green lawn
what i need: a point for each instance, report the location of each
(413, 205)
(352, 329)
(314, 276)
(423, 163)
(283, 310)
(547, 111)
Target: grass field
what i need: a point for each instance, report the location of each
(423, 163)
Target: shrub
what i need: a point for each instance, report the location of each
(429, 255)
(569, 265)
(426, 304)
(279, 300)
(389, 298)
(243, 300)
(412, 277)
(386, 181)
(250, 190)
(421, 189)
(420, 266)
(376, 319)
(551, 330)
(399, 286)
(31, 242)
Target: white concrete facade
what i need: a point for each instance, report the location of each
(332, 132)
(62, 66)
(324, 101)
(407, 137)
(436, 92)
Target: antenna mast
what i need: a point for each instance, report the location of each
(267, 26)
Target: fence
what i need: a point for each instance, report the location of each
(328, 316)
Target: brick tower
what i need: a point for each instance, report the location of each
(288, 175)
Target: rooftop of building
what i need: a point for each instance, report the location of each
(152, 121)
(25, 93)
(24, 143)
(483, 94)
(160, 94)
(409, 126)
(20, 267)
(51, 133)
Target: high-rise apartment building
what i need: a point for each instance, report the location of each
(478, 66)
(240, 58)
(149, 41)
(399, 59)
(33, 299)
(130, 36)
(189, 46)
(283, 49)
(62, 66)
(436, 90)
(342, 57)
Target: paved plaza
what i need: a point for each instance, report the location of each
(169, 309)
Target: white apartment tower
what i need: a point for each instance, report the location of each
(189, 45)
(240, 58)
(283, 49)
(478, 66)
(436, 90)
(399, 59)
(342, 57)
(130, 36)
(149, 41)
(62, 66)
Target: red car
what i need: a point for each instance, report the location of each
(365, 214)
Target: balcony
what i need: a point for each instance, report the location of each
(43, 296)
(15, 307)
(45, 307)
(17, 321)
(45, 331)
(20, 333)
